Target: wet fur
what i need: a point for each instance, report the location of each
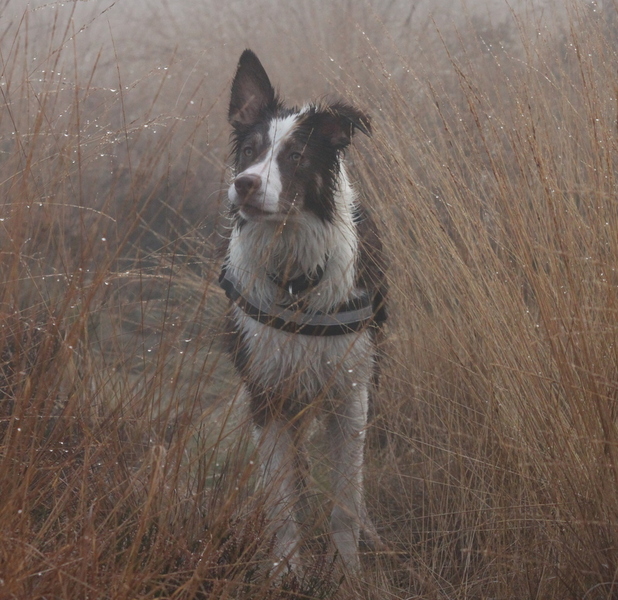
(295, 213)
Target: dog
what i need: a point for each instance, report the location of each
(304, 274)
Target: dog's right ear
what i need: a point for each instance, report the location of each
(252, 92)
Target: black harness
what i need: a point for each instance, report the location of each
(352, 316)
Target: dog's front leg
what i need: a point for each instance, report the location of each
(277, 452)
(346, 428)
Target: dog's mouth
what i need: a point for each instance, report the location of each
(250, 211)
(251, 205)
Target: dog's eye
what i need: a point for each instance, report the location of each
(248, 151)
(296, 156)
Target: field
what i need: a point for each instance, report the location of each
(127, 469)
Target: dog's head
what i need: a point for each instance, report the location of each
(286, 160)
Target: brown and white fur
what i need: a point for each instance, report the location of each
(296, 216)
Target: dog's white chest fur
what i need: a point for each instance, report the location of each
(306, 367)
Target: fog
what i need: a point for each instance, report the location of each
(151, 80)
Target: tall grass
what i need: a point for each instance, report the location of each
(126, 462)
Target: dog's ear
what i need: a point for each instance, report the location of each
(252, 92)
(338, 122)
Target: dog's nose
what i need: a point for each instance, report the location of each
(247, 184)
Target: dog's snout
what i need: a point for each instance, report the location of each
(246, 185)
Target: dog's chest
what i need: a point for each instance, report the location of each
(304, 366)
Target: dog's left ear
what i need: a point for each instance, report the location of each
(338, 122)
(252, 92)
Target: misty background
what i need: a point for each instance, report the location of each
(152, 83)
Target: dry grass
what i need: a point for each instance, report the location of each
(125, 461)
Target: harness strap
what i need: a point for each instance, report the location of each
(355, 315)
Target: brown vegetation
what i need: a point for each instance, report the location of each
(126, 464)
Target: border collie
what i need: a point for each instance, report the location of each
(304, 276)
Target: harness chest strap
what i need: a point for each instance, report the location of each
(353, 316)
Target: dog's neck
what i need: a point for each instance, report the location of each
(265, 255)
(299, 284)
